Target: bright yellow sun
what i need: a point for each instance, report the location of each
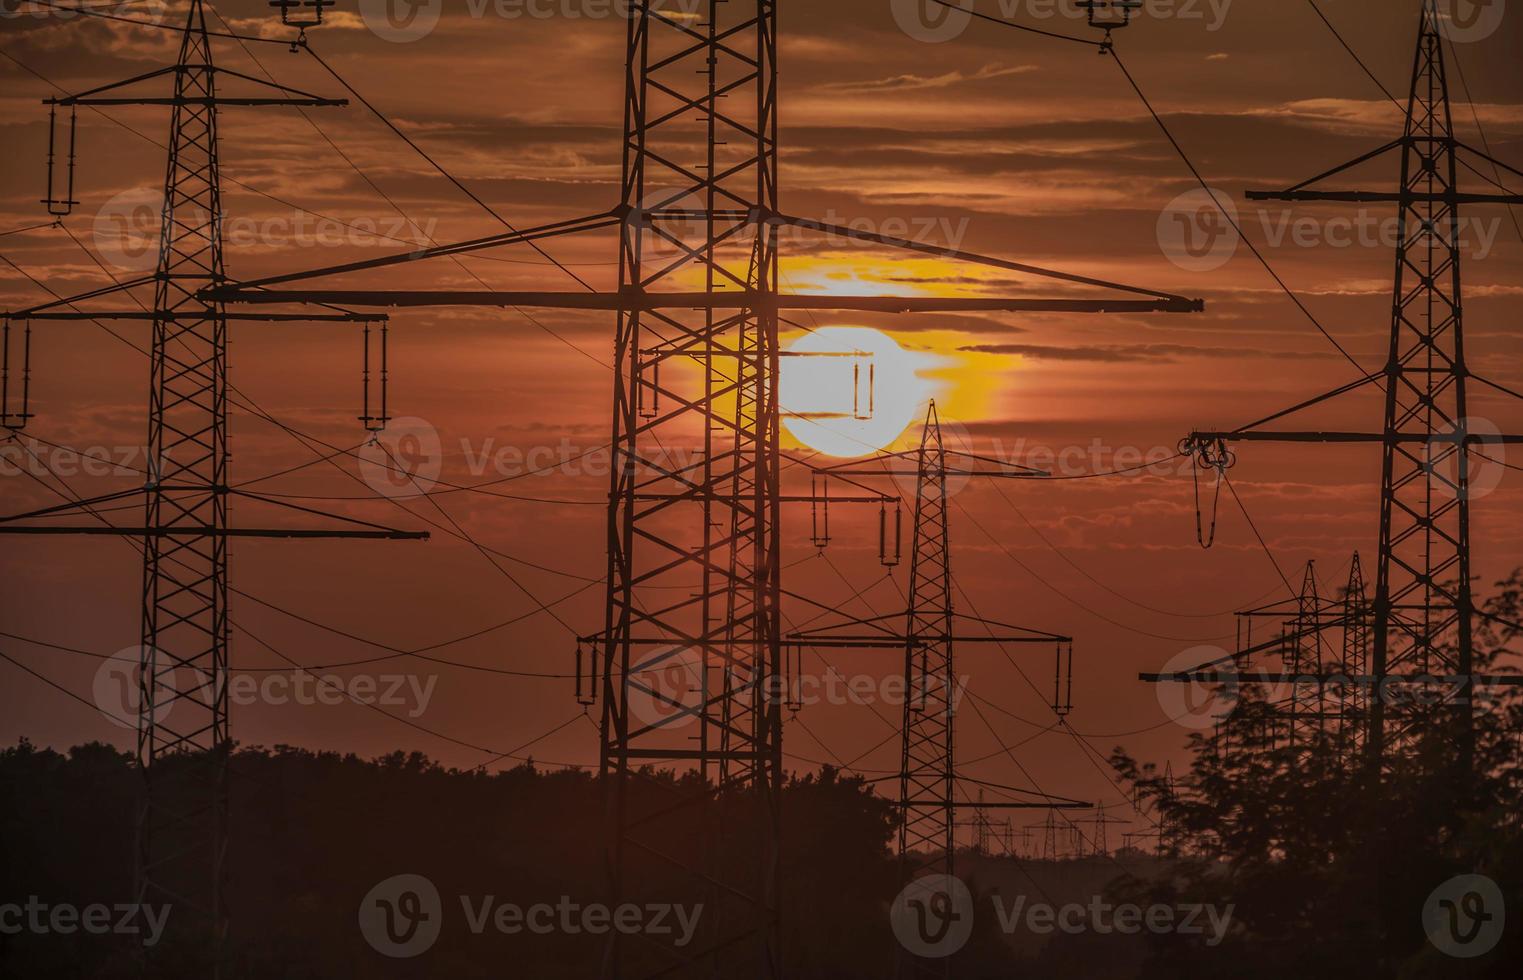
(836, 405)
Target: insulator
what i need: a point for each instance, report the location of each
(586, 680)
(1063, 680)
(648, 409)
(856, 389)
(793, 655)
(1109, 15)
(60, 207)
(884, 558)
(375, 416)
(819, 511)
(15, 376)
(301, 14)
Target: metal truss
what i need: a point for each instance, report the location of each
(183, 727)
(928, 779)
(1422, 613)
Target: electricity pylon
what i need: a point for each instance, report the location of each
(183, 726)
(1323, 652)
(928, 777)
(1422, 614)
(700, 227)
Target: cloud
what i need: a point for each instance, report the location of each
(1131, 353)
(899, 83)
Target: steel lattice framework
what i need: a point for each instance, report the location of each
(183, 726)
(700, 164)
(1422, 613)
(928, 777)
(1323, 652)
(183, 824)
(925, 768)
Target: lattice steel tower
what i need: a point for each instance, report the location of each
(700, 166)
(1422, 612)
(183, 732)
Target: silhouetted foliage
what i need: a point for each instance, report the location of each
(1328, 863)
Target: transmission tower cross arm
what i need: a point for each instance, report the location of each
(283, 95)
(165, 316)
(1379, 197)
(1173, 303)
(1393, 438)
(1288, 677)
(642, 302)
(349, 528)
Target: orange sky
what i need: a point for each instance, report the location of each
(1003, 143)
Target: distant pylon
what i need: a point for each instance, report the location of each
(1304, 640)
(926, 769)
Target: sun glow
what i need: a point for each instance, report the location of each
(838, 404)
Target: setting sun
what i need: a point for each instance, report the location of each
(851, 406)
